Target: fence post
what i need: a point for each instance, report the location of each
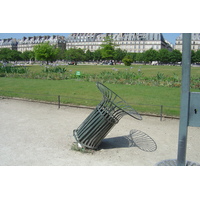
(161, 111)
(58, 101)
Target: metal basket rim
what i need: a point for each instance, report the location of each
(136, 115)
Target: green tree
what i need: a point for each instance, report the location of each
(5, 54)
(75, 55)
(175, 56)
(163, 56)
(28, 55)
(108, 49)
(193, 59)
(45, 52)
(150, 55)
(97, 55)
(16, 55)
(119, 54)
(197, 56)
(61, 54)
(140, 57)
(127, 60)
(133, 56)
(89, 55)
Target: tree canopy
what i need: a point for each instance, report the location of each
(108, 49)
(197, 56)
(5, 54)
(150, 55)
(119, 54)
(97, 55)
(75, 54)
(28, 55)
(46, 52)
(49, 53)
(127, 60)
(89, 55)
(175, 56)
(163, 56)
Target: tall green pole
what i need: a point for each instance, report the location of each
(185, 100)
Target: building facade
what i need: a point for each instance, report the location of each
(27, 43)
(131, 42)
(9, 43)
(195, 42)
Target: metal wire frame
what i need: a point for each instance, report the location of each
(115, 104)
(103, 118)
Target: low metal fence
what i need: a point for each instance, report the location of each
(62, 100)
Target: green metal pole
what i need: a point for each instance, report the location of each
(185, 95)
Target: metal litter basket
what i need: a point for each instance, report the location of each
(103, 118)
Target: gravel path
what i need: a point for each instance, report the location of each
(38, 134)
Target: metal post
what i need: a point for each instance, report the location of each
(185, 95)
(161, 111)
(58, 101)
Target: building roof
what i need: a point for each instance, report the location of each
(86, 37)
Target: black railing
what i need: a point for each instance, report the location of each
(62, 100)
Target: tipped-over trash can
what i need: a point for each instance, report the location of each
(103, 118)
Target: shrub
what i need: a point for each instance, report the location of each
(13, 69)
(127, 60)
(54, 69)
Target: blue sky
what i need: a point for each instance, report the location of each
(171, 37)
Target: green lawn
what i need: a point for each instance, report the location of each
(144, 99)
(148, 70)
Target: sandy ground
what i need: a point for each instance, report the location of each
(38, 134)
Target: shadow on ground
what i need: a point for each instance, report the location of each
(136, 138)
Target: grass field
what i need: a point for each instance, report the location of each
(148, 70)
(144, 99)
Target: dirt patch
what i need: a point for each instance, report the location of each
(38, 134)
